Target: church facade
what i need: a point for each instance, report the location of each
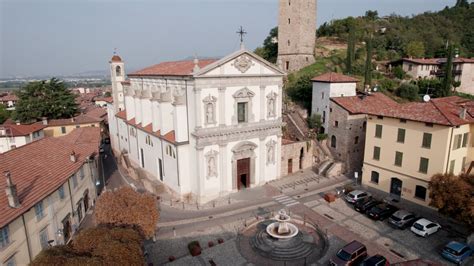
(203, 128)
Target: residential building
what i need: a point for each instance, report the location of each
(61, 127)
(202, 128)
(327, 86)
(407, 144)
(15, 135)
(420, 68)
(347, 127)
(9, 101)
(50, 186)
(102, 101)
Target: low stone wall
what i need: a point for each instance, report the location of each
(291, 153)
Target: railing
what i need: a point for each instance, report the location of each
(442, 72)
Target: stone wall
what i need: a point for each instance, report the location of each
(346, 128)
(293, 151)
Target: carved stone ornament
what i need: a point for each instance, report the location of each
(271, 145)
(211, 164)
(244, 93)
(243, 63)
(271, 104)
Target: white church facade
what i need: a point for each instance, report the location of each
(205, 128)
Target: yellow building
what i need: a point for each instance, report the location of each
(62, 127)
(50, 186)
(407, 144)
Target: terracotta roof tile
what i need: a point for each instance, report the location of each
(9, 97)
(176, 68)
(41, 167)
(436, 61)
(98, 113)
(116, 58)
(21, 130)
(332, 77)
(122, 115)
(365, 104)
(170, 136)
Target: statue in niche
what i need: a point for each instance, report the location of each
(209, 113)
(271, 107)
(211, 167)
(271, 152)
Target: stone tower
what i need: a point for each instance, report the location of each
(117, 76)
(296, 34)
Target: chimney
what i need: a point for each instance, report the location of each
(45, 121)
(11, 191)
(463, 113)
(73, 157)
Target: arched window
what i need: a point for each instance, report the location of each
(148, 140)
(333, 141)
(118, 71)
(170, 151)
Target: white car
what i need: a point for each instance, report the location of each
(424, 227)
(356, 195)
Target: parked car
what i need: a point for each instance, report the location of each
(366, 204)
(356, 195)
(376, 260)
(402, 219)
(381, 211)
(456, 252)
(351, 254)
(424, 227)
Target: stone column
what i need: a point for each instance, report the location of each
(262, 160)
(278, 157)
(198, 110)
(262, 103)
(223, 167)
(221, 102)
(199, 175)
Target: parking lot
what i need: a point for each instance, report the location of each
(402, 243)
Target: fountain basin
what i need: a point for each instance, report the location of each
(272, 230)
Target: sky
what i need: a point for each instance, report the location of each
(64, 37)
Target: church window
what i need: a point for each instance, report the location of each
(133, 132)
(333, 142)
(242, 112)
(148, 140)
(289, 43)
(118, 71)
(289, 21)
(170, 151)
(210, 109)
(287, 65)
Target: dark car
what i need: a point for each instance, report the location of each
(381, 211)
(376, 260)
(456, 252)
(402, 219)
(366, 204)
(351, 254)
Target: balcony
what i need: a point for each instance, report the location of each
(440, 72)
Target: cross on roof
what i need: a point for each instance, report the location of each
(241, 32)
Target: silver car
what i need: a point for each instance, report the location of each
(402, 219)
(356, 195)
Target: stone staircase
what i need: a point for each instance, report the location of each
(324, 167)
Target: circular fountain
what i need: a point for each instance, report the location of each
(282, 229)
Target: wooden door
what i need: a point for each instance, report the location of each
(243, 173)
(290, 166)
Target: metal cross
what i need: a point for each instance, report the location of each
(241, 32)
(115, 51)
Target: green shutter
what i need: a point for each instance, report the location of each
(378, 131)
(376, 153)
(423, 165)
(452, 164)
(465, 139)
(401, 135)
(426, 140)
(398, 158)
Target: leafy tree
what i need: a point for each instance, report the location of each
(107, 94)
(399, 73)
(415, 49)
(372, 14)
(368, 62)
(429, 86)
(269, 51)
(301, 91)
(97, 246)
(49, 99)
(387, 85)
(408, 91)
(448, 73)
(452, 195)
(462, 3)
(314, 121)
(4, 114)
(136, 209)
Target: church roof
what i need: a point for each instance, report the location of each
(116, 58)
(332, 77)
(174, 68)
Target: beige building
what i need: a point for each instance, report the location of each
(50, 184)
(407, 144)
(62, 127)
(421, 68)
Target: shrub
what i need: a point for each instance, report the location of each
(408, 91)
(220, 240)
(387, 85)
(399, 72)
(194, 248)
(210, 244)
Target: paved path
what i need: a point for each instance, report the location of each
(285, 200)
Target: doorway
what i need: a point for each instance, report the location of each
(290, 166)
(86, 201)
(243, 173)
(301, 158)
(396, 187)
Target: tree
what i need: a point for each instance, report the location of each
(462, 3)
(453, 196)
(97, 246)
(408, 91)
(314, 121)
(4, 114)
(107, 94)
(368, 62)
(448, 73)
(350, 50)
(371, 14)
(136, 209)
(415, 49)
(399, 73)
(269, 51)
(301, 90)
(49, 99)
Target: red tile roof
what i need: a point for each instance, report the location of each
(9, 97)
(98, 113)
(126, 82)
(442, 111)
(365, 104)
(332, 77)
(21, 130)
(436, 61)
(116, 58)
(176, 68)
(170, 136)
(41, 167)
(77, 120)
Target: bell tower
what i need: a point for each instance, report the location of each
(296, 34)
(117, 75)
